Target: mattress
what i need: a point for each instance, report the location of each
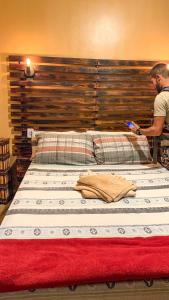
(59, 239)
(47, 206)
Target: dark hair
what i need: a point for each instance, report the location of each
(160, 69)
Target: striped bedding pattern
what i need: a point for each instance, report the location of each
(52, 237)
(121, 148)
(72, 149)
(47, 207)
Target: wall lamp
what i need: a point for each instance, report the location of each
(29, 71)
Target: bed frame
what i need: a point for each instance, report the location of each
(129, 290)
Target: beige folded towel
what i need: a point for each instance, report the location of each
(93, 194)
(105, 186)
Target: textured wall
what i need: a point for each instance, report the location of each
(115, 29)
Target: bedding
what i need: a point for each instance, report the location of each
(74, 149)
(36, 133)
(121, 148)
(51, 236)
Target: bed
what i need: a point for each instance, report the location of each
(53, 243)
(57, 245)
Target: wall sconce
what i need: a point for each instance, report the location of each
(29, 71)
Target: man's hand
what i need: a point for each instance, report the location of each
(134, 127)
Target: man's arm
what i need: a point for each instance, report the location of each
(154, 130)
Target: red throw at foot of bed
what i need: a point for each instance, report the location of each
(26, 264)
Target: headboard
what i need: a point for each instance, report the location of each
(77, 94)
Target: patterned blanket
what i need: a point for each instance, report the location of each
(47, 206)
(51, 236)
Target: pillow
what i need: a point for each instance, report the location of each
(65, 149)
(121, 148)
(37, 134)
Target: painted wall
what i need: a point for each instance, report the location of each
(115, 29)
(4, 120)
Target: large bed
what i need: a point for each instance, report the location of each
(57, 245)
(54, 244)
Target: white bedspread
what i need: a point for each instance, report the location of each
(47, 206)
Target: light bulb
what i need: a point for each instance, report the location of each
(28, 62)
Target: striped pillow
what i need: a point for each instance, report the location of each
(65, 149)
(121, 148)
(38, 134)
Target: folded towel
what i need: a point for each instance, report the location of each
(104, 186)
(94, 195)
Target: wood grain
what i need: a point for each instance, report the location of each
(77, 94)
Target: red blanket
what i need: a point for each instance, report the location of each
(26, 264)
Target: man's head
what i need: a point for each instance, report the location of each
(160, 76)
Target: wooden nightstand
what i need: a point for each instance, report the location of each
(8, 181)
(11, 186)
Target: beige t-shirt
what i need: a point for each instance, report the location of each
(161, 106)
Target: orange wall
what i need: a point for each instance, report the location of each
(115, 29)
(4, 121)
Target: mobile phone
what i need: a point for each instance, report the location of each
(130, 124)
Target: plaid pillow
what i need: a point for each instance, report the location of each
(121, 148)
(65, 149)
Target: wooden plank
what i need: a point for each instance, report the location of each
(82, 69)
(53, 60)
(48, 91)
(122, 114)
(60, 126)
(55, 115)
(133, 92)
(54, 124)
(125, 85)
(61, 76)
(123, 78)
(53, 76)
(59, 84)
(135, 63)
(46, 128)
(122, 71)
(113, 103)
(40, 107)
(81, 99)
(119, 122)
(55, 68)
(123, 99)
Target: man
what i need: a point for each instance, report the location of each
(160, 80)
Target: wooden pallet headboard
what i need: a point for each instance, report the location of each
(77, 94)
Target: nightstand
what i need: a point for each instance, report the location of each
(8, 181)
(10, 188)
